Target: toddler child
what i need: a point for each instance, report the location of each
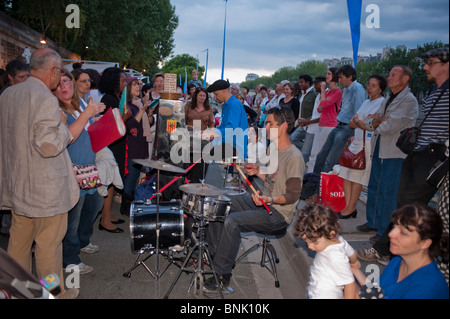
(331, 276)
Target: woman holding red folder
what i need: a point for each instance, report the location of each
(112, 84)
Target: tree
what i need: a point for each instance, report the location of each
(411, 58)
(177, 64)
(137, 34)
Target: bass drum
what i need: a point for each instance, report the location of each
(143, 226)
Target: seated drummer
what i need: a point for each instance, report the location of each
(281, 193)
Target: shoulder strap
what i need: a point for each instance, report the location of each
(444, 88)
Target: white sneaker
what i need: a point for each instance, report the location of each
(229, 178)
(84, 269)
(90, 249)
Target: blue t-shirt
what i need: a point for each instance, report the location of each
(81, 152)
(235, 118)
(425, 283)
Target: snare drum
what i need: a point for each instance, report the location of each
(215, 209)
(143, 226)
(188, 203)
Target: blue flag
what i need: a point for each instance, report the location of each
(354, 14)
(185, 81)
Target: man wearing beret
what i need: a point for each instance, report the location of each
(234, 125)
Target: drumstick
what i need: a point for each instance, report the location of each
(253, 189)
(178, 177)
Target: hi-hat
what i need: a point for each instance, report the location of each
(203, 189)
(160, 166)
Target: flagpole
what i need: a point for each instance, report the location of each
(206, 70)
(224, 38)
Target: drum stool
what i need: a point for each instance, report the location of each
(269, 257)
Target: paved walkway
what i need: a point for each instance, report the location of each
(248, 282)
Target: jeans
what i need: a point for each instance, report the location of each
(307, 146)
(129, 183)
(244, 217)
(297, 137)
(382, 190)
(332, 149)
(80, 227)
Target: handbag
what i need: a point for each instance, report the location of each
(409, 137)
(87, 176)
(355, 161)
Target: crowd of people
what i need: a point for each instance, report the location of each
(314, 121)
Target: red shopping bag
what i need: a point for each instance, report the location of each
(331, 191)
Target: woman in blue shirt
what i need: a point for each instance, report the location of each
(80, 218)
(416, 239)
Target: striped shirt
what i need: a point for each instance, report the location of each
(435, 127)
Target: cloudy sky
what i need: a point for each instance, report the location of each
(266, 35)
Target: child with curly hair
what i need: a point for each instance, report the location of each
(331, 275)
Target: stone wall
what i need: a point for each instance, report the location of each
(15, 37)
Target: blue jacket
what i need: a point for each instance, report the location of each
(235, 118)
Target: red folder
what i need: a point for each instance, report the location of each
(107, 130)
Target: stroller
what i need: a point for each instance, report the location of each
(17, 283)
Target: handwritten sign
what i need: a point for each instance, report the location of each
(170, 83)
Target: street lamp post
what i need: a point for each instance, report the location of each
(224, 38)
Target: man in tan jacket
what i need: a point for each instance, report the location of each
(36, 177)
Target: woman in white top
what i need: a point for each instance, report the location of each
(353, 180)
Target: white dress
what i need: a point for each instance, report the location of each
(354, 175)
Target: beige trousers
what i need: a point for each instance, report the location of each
(48, 234)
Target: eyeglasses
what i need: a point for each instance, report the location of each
(64, 82)
(431, 63)
(57, 67)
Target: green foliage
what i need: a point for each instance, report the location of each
(177, 65)
(411, 58)
(137, 34)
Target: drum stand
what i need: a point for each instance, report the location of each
(153, 251)
(199, 271)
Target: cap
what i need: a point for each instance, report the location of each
(441, 54)
(218, 85)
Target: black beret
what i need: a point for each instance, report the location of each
(218, 85)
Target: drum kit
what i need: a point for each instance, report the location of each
(166, 229)
(160, 229)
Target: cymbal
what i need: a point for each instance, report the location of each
(160, 165)
(203, 190)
